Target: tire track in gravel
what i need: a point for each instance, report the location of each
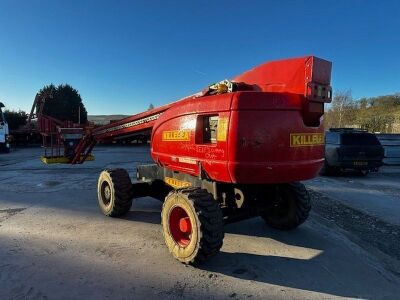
(8, 213)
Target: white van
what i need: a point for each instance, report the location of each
(4, 133)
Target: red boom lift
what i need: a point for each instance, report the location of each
(236, 150)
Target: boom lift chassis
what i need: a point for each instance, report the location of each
(236, 150)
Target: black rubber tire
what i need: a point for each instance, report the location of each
(323, 170)
(119, 200)
(291, 206)
(4, 149)
(207, 224)
(327, 170)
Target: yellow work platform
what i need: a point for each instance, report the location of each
(61, 159)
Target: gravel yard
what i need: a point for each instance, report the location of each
(55, 243)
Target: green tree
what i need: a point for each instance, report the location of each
(378, 114)
(375, 114)
(15, 119)
(64, 103)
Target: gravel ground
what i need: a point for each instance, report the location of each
(365, 208)
(368, 231)
(377, 194)
(55, 244)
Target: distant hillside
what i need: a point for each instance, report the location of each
(375, 114)
(105, 119)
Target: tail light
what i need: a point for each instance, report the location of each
(319, 92)
(313, 107)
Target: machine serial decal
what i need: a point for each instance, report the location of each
(175, 183)
(222, 129)
(187, 160)
(176, 136)
(306, 139)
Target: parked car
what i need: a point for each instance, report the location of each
(353, 149)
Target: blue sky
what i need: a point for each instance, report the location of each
(123, 55)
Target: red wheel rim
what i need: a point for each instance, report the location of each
(180, 226)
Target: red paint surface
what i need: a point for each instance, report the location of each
(277, 99)
(257, 149)
(180, 226)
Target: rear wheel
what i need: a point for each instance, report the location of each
(290, 207)
(4, 148)
(114, 192)
(192, 225)
(328, 170)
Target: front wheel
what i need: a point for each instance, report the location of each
(192, 225)
(289, 208)
(114, 192)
